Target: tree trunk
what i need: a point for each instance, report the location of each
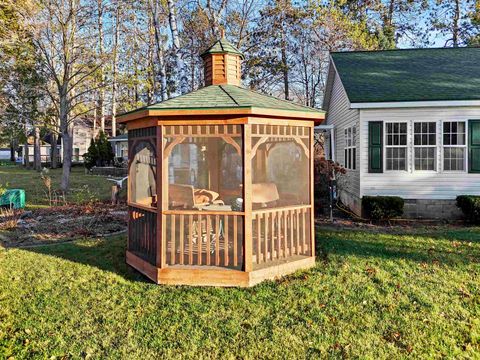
(13, 147)
(159, 53)
(101, 98)
(181, 78)
(67, 139)
(114, 73)
(37, 159)
(455, 26)
(285, 67)
(26, 156)
(66, 129)
(54, 151)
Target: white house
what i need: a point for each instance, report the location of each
(407, 123)
(120, 146)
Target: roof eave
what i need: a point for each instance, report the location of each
(235, 111)
(413, 104)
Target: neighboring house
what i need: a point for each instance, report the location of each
(120, 146)
(407, 123)
(4, 154)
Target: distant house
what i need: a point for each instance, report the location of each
(407, 123)
(120, 146)
(83, 132)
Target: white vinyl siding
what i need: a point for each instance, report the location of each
(414, 184)
(342, 117)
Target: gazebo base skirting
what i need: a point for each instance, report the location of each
(202, 275)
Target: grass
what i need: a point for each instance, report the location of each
(82, 187)
(371, 295)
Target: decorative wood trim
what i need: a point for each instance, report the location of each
(142, 207)
(229, 140)
(202, 276)
(262, 140)
(164, 200)
(280, 121)
(142, 266)
(282, 269)
(304, 147)
(202, 120)
(312, 193)
(247, 198)
(159, 177)
(247, 111)
(170, 146)
(202, 212)
(282, 208)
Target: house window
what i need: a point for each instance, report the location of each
(350, 148)
(454, 146)
(424, 144)
(396, 146)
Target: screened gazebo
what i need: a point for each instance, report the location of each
(220, 188)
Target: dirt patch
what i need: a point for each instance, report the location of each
(343, 221)
(60, 223)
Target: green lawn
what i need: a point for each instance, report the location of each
(83, 187)
(372, 294)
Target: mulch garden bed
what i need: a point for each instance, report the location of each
(61, 223)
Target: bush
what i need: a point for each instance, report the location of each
(100, 152)
(382, 207)
(470, 206)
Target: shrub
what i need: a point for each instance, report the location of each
(382, 207)
(470, 206)
(326, 172)
(100, 152)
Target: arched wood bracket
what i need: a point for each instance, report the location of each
(302, 145)
(170, 146)
(264, 139)
(255, 147)
(231, 141)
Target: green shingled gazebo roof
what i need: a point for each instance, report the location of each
(226, 97)
(410, 75)
(222, 46)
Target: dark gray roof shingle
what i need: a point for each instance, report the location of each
(410, 75)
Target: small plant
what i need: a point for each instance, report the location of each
(470, 206)
(47, 181)
(9, 219)
(3, 189)
(84, 195)
(382, 207)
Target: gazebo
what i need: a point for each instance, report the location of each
(220, 188)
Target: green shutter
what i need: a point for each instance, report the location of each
(474, 146)
(375, 147)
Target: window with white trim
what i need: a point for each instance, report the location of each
(425, 146)
(350, 148)
(396, 146)
(454, 146)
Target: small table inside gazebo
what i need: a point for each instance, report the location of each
(220, 182)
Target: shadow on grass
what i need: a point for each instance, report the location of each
(107, 254)
(447, 248)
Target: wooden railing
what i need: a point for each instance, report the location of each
(280, 233)
(204, 238)
(142, 231)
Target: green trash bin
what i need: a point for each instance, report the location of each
(13, 198)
